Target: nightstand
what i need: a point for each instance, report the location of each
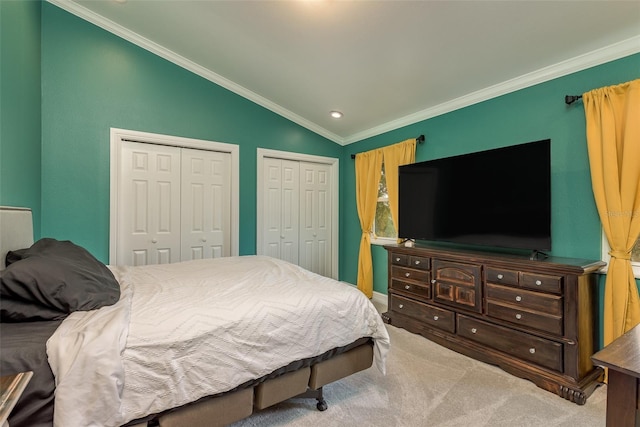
(11, 388)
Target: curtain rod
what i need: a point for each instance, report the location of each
(570, 99)
(419, 139)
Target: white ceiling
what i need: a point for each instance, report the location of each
(384, 64)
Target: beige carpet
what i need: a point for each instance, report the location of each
(429, 385)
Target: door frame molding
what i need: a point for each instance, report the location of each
(117, 136)
(334, 165)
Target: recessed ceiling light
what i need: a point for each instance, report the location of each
(336, 114)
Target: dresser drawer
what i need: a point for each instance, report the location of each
(501, 275)
(541, 282)
(419, 262)
(413, 261)
(404, 273)
(524, 346)
(436, 317)
(421, 291)
(525, 318)
(399, 259)
(535, 301)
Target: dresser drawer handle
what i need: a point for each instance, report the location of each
(532, 350)
(518, 316)
(407, 287)
(417, 262)
(401, 305)
(538, 282)
(500, 276)
(433, 281)
(474, 330)
(435, 317)
(518, 298)
(398, 259)
(407, 274)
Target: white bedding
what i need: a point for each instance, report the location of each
(154, 349)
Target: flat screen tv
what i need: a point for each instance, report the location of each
(498, 198)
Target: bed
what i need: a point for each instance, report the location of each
(204, 342)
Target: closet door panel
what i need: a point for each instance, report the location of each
(150, 204)
(206, 201)
(315, 214)
(280, 210)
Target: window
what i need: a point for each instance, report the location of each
(384, 231)
(635, 255)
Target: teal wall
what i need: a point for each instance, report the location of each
(530, 114)
(20, 131)
(93, 80)
(65, 82)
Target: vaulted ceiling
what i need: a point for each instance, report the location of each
(383, 64)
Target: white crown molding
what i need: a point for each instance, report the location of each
(143, 42)
(578, 63)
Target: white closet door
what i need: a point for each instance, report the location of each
(206, 204)
(150, 204)
(281, 189)
(315, 218)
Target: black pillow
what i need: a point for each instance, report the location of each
(13, 256)
(53, 279)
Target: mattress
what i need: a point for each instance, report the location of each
(230, 320)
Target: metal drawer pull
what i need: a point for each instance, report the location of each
(398, 259)
(518, 316)
(401, 305)
(532, 350)
(538, 282)
(474, 330)
(417, 262)
(435, 317)
(500, 276)
(407, 274)
(433, 281)
(407, 287)
(518, 298)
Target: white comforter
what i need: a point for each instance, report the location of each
(187, 330)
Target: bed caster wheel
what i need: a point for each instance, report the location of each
(322, 405)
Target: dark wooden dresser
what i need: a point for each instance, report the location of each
(536, 319)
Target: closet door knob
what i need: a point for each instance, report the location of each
(203, 239)
(154, 240)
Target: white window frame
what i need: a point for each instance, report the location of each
(377, 240)
(606, 258)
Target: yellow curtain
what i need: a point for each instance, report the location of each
(368, 167)
(402, 153)
(613, 138)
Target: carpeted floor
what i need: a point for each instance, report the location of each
(429, 385)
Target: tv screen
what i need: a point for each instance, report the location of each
(498, 198)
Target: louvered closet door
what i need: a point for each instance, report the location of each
(315, 218)
(281, 212)
(149, 216)
(206, 201)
